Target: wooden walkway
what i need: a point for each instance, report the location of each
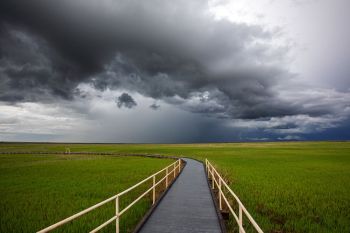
(187, 207)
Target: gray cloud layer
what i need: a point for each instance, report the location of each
(168, 50)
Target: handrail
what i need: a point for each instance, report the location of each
(220, 183)
(176, 168)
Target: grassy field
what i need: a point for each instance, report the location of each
(39, 190)
(287, 187)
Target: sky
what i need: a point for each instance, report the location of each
(159, 71)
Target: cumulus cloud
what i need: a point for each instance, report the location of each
(125, 100)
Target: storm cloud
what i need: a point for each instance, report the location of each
(125, 100)
(162, 52)
(154, 106)
(170, 51)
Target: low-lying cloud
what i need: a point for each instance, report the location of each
(125, 100)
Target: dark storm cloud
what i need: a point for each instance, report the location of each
(126, 100)
(30, 70)
(168, 50)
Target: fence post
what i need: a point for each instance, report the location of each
(174, 170)
(154, 189)
(208, 168)
(212, 179)
(167, 178)
(220, 201)
(240, 218)
(179, 165)
(117, 214)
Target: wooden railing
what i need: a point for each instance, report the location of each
(221, 185)
(175, 170)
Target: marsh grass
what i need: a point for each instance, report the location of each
(39, 190)
(286, 186)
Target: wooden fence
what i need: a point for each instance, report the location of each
(216, 180)
(171, 170)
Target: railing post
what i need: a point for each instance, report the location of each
(174, 170)
(167, 178)
(208, 169)
(220, 190)
(212, 179)
(117, 214)
(179, 165)
(154, 189)
(240, 218)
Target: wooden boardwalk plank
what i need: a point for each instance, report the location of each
(187, 207)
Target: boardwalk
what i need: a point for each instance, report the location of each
(187, 207)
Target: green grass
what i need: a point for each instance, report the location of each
(39, 190)
(287, 187)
